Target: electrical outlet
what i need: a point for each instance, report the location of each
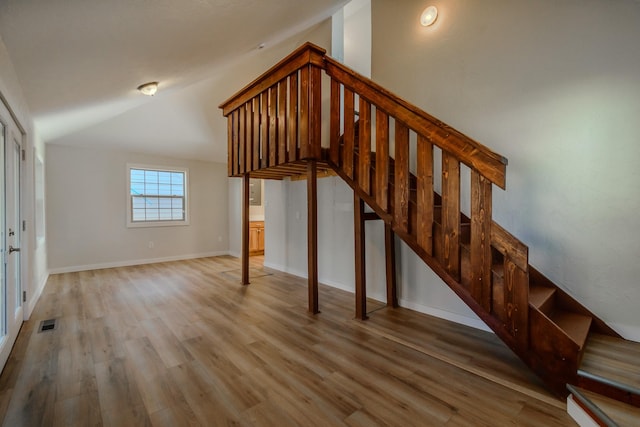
(151, 244)
(219, 238)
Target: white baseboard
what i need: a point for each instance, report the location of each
(627, 331)
(447, 315)
(35, 296)
(442, 314)
(578, 414)
(127, 263)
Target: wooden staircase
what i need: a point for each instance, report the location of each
(407, 166)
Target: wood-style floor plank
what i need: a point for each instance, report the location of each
(183, 343)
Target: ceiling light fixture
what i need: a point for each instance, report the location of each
(149, 89)
(429, 16)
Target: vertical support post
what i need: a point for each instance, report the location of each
(245, 229)
(361, 280)
(312, 235)
(390, 258)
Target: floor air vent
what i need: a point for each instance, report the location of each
(47, 325)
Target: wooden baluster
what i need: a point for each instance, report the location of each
(264, 129)
(516, 300)
(273, 126)
(230, 146)
(334, 123)
(349, 133)
(293, 117)
(451, 214)
(256, 132)
(401, 178)
(382, 159)
(315, 112)
(360, 266)
(242, 140)
(248, 136)
(481, 240)
(304, 112)
(364, 144)
(424, 202)
(282, 121)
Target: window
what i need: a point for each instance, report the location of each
(157, 196)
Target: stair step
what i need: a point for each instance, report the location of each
(621, 413)
(575, 325)
(615, 360)
(542, 298)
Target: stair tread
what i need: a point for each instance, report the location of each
(623, 414)
(613, 358)
(575, 325)
(538, 295)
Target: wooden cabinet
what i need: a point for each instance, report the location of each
(256, 238)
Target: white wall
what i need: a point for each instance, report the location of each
(553, 86)
(86, 211)
(286, 234)
(357, 36)
(34, 255)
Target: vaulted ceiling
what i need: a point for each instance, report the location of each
(79, 63)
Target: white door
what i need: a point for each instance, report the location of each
(11, 315)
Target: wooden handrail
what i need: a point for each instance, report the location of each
(470, 152)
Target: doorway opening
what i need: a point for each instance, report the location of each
(256, 222)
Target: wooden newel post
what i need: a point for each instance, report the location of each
(245, 229)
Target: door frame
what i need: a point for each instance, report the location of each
(15, 133)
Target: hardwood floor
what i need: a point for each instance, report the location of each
(183, 343)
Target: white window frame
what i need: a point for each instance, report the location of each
(171, 223)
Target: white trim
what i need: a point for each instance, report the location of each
(33, 299)
(442, 314)
(76, 268)
(138, 224)
(629, 332)
(579, 415)
(446, 315)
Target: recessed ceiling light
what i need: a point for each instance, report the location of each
(429, 16)
(149, 89)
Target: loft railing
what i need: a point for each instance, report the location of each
(276, 119)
